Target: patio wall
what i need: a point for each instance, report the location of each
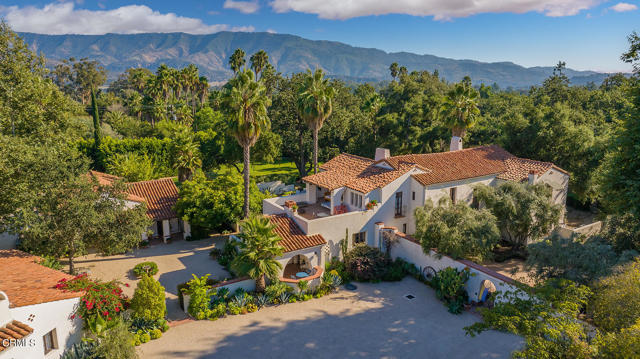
(410, 250)
(587, 230)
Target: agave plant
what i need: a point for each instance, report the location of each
(284, 297)
(261, 300)
(81, 350)
(240, 300)
(223, 293)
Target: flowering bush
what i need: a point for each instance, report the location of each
(100, 299)
(366, 263)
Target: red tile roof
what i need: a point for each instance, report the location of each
(26, 282)
(160, 195)
(12, 331)
(364, 175)
(105, 179)
(293, 238)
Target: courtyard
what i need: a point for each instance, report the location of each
(376, 320)
(176, 262)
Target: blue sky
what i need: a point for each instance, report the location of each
(587, 34)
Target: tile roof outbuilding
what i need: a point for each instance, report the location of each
(160, 196)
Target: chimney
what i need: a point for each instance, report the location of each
(382, 154)
(456, 143)
(532, 177)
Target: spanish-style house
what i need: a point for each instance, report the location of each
(160, 197)
(36, 319)
(354, 197)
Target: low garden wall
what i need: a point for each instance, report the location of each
(587, 230)
(409, 249)
(313, 280)
(232, 285)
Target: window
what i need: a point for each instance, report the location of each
(50, 341)
(404, 228)
(399, 211)
(360, 237)
(452, 194)
(356, 200)
(413, 196)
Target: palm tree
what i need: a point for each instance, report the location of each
(373, 105)
(315, 103)
(245, 101)
(259, 61)
(237, 61)
(259, 245)
(460, 108)
(187, 159)
(202, 88)
(394, 69)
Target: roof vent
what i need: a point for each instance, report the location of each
(382, 154)
(409, 296)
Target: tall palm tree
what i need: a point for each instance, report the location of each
(245, 101)
(202, 89)
(372, 106)
(259, 61)
(460, 108)
(237, 61)
(259, 245)
(315, 104)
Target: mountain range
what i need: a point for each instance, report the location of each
(288, 53)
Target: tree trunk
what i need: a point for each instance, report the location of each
(303, 164)
(315, 149)
(246, 170)
(260, 284)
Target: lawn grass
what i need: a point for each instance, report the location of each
(280, 168)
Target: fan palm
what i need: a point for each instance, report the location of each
(315, 103)
(245, 101)
(460, 108)
(187, 159)
(259, 61)
(237, 61)
(259, 245)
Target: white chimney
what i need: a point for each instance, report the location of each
(456, 143)
(382, 154)
(532, 177)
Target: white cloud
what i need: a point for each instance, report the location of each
(64, 18)
(623, 6)
(272, 31)
(245, 7)
(439, 9)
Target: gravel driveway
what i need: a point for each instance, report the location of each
(176, 262)
(374, 321)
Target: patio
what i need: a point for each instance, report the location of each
(313, 211)
(374, 321)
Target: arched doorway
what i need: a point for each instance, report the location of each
(297, 264)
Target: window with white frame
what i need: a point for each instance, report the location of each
(356, 200)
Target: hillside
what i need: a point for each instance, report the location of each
(288, 54)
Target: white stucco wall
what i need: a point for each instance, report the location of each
(464, 188)
(413, 253)
(559, 182)
(313, 254)
(47, 316)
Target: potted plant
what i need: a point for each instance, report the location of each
(294, 208)
(371, 204)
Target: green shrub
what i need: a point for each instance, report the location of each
(339, 266)
(51, 262)
(136, 340)
(449, 284)
(148, 300)
(184, 287)
(118, 343)
(307, 297)
(163, 325)
(82, 350)
(621, 345)
(197, 290)
(366, 263)
(145, 338)
(155, 334)
(275, 290)
(252, 308)
(234, 309)
(616, 300)
(148, 268)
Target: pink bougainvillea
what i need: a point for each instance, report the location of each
(99, 297)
